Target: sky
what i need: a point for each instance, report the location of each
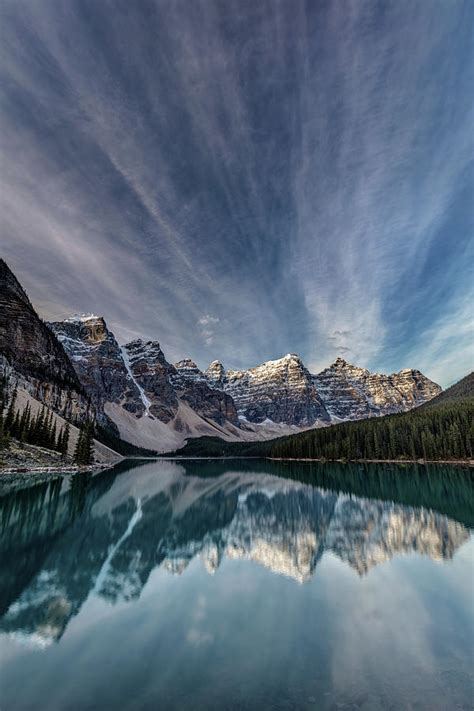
(239, 179)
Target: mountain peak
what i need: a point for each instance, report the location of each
(278, 362)
(186, 364)
(293, 356)
(10, 283)
(215, 374)
(339, 363)
(215, 364)
(83, 318)
(88, 327)
(33, 353)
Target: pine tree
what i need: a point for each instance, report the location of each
(444, 432)
(59, 441)
(65, 440)
(3, 396)
(84, 445)
(15, 426)
(48, 430)
(52, 439)
(38, 428)
(79, 448)
(25, 424)
(11, 412)
(4, 438)
(87, 444)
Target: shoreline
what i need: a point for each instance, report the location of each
(463, 462)
(101, 466)
(18, 478)
(56, 469)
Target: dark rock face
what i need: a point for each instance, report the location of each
(352, 393)
(152, 372)
(280, 390)
(98, 362)
(32, 356)
(191, 385)
(165, 385)
(137, 376)
(215, 375)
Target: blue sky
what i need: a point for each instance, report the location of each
(239, 180)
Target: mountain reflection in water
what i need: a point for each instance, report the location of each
(70, 539)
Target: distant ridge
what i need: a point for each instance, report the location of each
(461, 390)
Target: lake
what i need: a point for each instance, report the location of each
(239, 585)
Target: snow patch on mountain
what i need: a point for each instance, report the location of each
(82, 318)
(146, 402)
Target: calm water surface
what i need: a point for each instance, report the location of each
(241, 585)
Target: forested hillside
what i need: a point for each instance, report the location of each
(438, 433)
(459, 391)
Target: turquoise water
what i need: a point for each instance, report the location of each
(239, 585)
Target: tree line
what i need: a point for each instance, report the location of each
(441, 432)
(41, 429)
(444, 432)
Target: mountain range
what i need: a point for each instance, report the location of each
(77, 367)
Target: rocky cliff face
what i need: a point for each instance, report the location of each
(278, 390)
(32, 356)
(166, 386)
(351, 393)
(284, 391)
(152, 374)
(138, 380)
(98, 361)
(193, 388)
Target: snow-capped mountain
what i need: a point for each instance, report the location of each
(159, 405)
(351, 393)
(280, 390)
(152, 403)
(284, 391)
(98, 361)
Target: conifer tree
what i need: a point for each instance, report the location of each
(52, 437)
(4, 439)
(59, 441)
(88, 444)
(65, 440)
(15, 426)
(48, 430)
(84, 445)
(78, 449)
(11, 412)
(23, 434)
(37, 428)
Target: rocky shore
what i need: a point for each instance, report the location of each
(23, 465)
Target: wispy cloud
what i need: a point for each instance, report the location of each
(298, 172)
(207, 325)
